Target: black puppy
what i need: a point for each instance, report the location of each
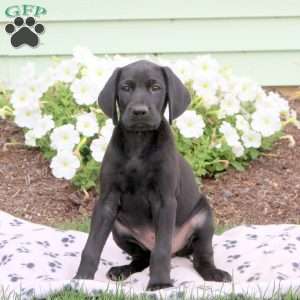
(149, 198)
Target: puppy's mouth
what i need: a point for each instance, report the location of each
(141, 127)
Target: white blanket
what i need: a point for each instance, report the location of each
(38, 260)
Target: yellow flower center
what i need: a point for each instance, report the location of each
(189, 123)
(67, 71)
(65, 137)
(83, 89)
(205, 85)
(267, 120)
(65, 164)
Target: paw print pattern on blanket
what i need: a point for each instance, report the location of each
(251, 236)
(296, 266)
(14, 277)
(5, 259)
(22, 250)
(39, 257)
(229, 244)
(3, 243)
(230, 258)
(44, 244)
(244, 266)
(290, 247)
(29, 265)
(15, 222)
(68, 240)
(255, 277)
(73, 254)
(54, 265)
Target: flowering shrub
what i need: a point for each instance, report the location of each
(230, 121)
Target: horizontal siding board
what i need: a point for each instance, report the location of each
(165, 36)
(259, 38)
(167, 9)
(267, 68)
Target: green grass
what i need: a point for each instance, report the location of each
(119, 295)
(82, 224)
(81, 296)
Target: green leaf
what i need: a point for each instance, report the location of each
(237, 165)
(253, 153)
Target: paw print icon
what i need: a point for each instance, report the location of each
(24, 32)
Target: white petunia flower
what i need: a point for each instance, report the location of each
(245, 89)
(27, 116)
(43, 125)
(83, 55)
(242, 124)
(87, 124)
(23, 97)
(64, 137)
(64, 165)
(281, 103)
(98, 148)
(183, 70)
(273, 102)
(266, 122)
(229, 105)
(85, 90)
(190, 124)
(230, 134)
(238, 149)
(205, 64)
(251, 139)
(100, 70)
(26, 75)
(107, 130)
(206, 88)
(205, 85)
(66, 70)
(209, 100)
(47, 79)
(35, 87)
(223, 85)
(30, 138)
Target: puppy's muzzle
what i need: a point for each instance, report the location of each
(140, 117)
(140, 111)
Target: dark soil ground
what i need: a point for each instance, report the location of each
(267, 192)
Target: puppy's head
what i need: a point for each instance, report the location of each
(138, 94)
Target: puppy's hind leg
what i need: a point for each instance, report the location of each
(140, 260)
(203, 259)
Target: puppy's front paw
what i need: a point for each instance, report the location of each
(158, 286)
(216, 275)
(119, 273)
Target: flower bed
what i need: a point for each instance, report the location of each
(230, 121)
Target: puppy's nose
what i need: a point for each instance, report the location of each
(140, 110)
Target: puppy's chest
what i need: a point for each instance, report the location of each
(136, 174)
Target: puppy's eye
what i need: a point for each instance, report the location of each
(125, 88)
(155, 87)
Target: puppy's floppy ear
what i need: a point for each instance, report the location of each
(107, 98)
(177, 96)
